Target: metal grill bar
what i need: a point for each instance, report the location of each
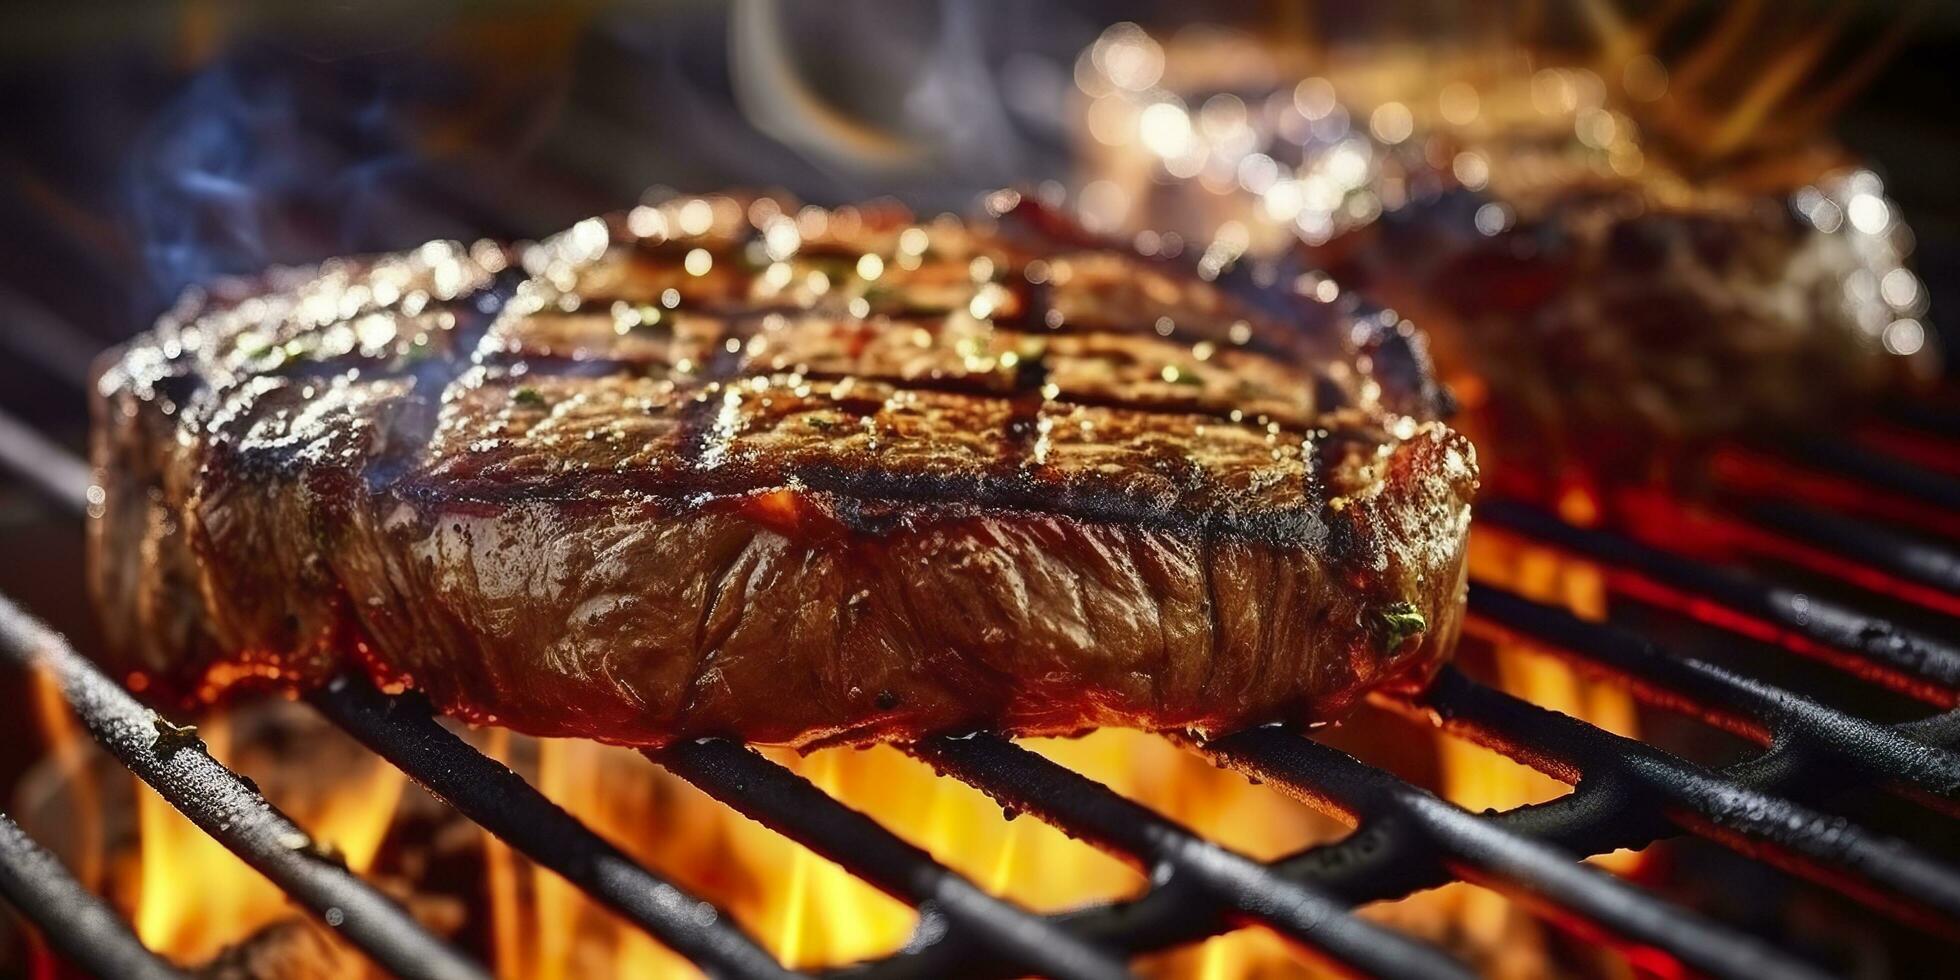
(1865, 465)
(1377, 863)
(1758, 710)
(403, 731)
(1756, 474)
(1927, 415)
(224, 806)
(789, 804)
(1482, 851)
(1883, 872)
(74, 922)
(1174, 856)
(1914, 560)
(1880, 649)
(52, 469)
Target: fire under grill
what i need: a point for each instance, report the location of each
(1626, 792)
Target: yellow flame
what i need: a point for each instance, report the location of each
(194, 898)
(502, 876)
(70, 752)
(1476, 777)
(179, 861)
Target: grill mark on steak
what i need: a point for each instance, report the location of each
(416, 426)
(920, 534)
(1024, 420)
(1024, 432)
(1029, 378)
(698, 416)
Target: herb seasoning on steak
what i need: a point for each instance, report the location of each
(729, 467)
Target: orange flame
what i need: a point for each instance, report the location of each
(813, 914)
(194, 899)
(1473, 776)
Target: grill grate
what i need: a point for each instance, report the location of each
(225, 805)
(406, 735)
(1860, 643)
(1627, 794)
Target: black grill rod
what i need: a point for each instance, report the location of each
(405, 732)
(1880, 650)
(1174, 856)
(1376, 864)
(1883, 871)
(174, 763)
(1481, 851)
(1930, 416)
(1875, 468)
(74, 922)
(1916, 560)
(1738, 703)
(789, 804)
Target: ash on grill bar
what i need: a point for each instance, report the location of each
(1194, 314)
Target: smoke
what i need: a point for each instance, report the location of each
(274, 155)
(266, 158)
(931, 103)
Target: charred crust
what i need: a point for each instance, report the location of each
(328, 478)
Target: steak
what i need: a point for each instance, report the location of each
(728, 467)
(1601, 298)
(1693, 311)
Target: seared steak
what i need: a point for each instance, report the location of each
(718, 467)
(1685, 311)
(1596, 294)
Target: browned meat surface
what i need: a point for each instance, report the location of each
(714, 468)
(1597, 296)
(1614, 321)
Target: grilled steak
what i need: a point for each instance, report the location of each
(1595, 298)
(727, 467)
(1690, 311)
